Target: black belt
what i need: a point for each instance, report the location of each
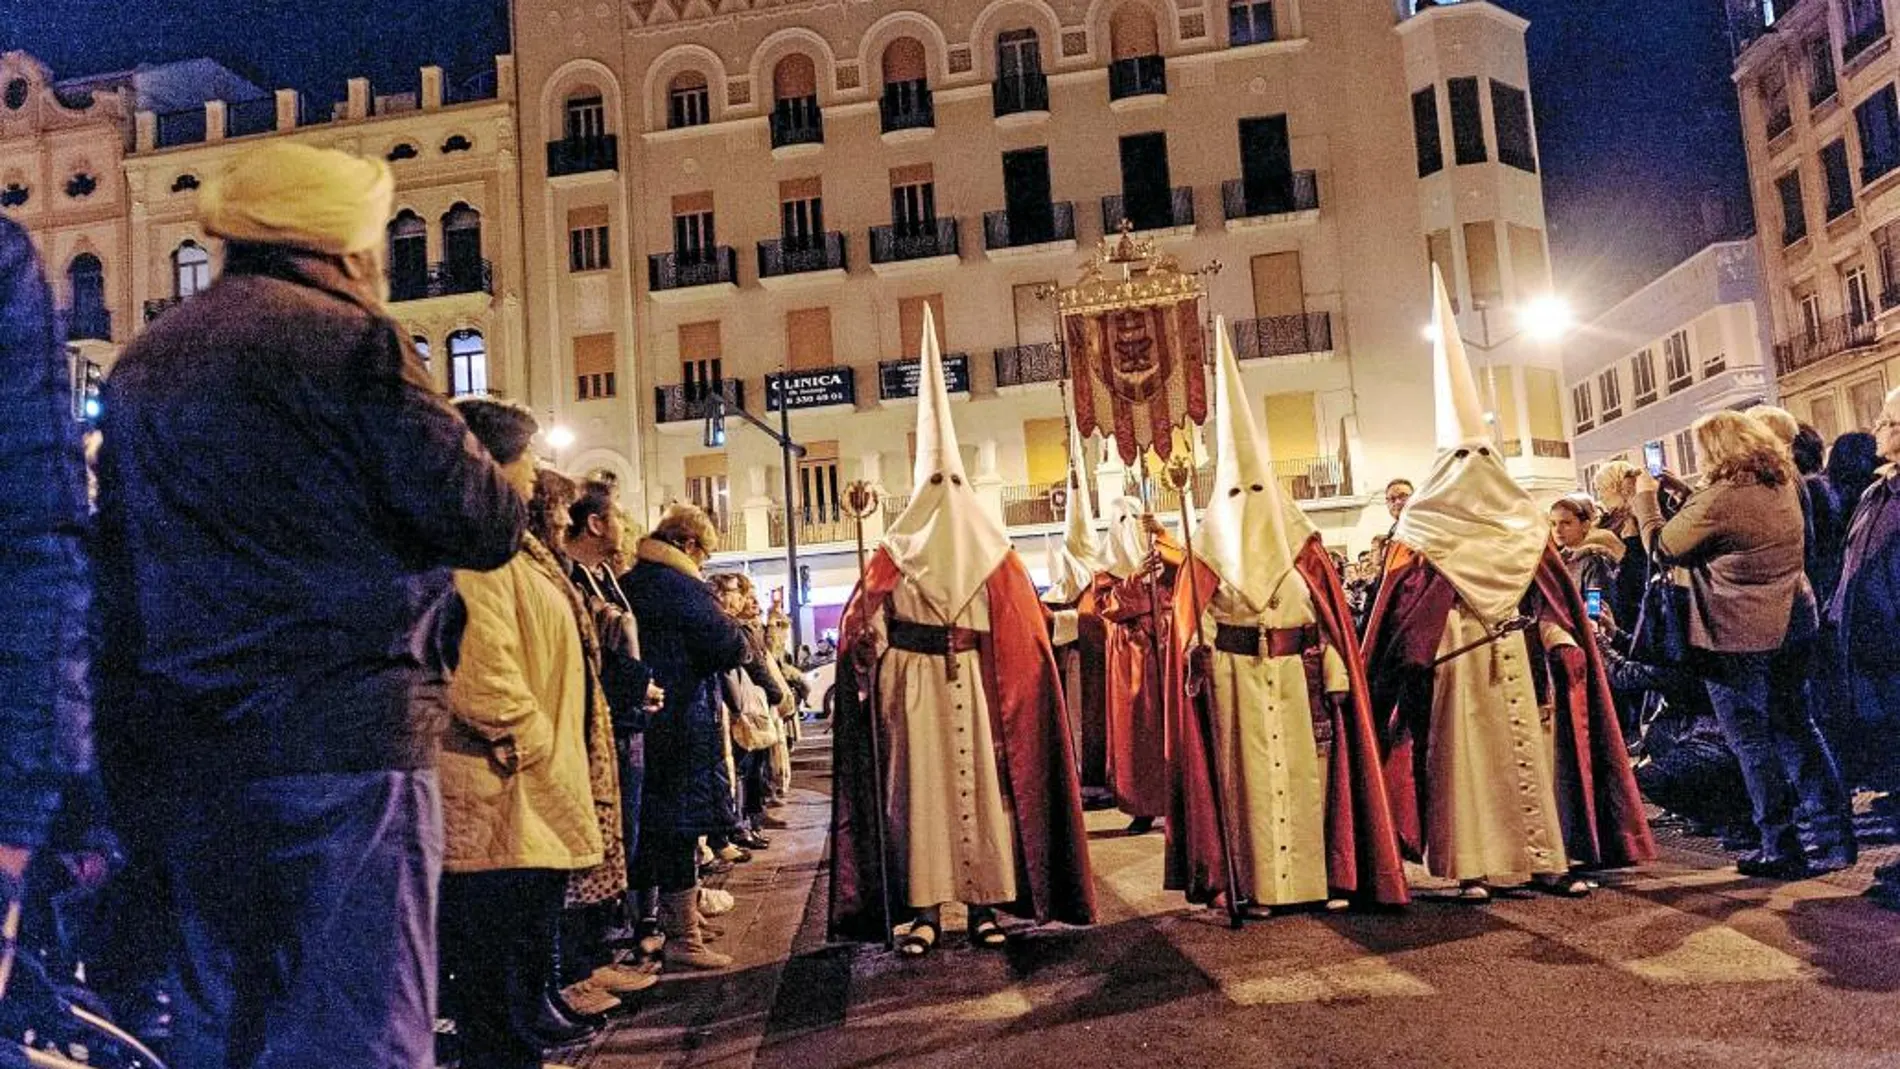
(931, 639)
(1265, 641)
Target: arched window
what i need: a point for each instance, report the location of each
(462, 249)
(1132, 33)
(1018, 54)
(586, 118)
(794, 78)
(86, 277)
(688, 102)
(906, 104)
(904, 61)
(408, 257)
(468, 364)
(191, 270)
(795, 116)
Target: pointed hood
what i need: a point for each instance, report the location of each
(1469, 517)
(946, 543)
(1075, 562)
(1127, 546)
(1250, 534)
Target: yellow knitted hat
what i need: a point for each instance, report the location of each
(309, 198)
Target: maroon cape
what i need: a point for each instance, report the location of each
(1362, 850)
(1091, 707)
(1138, 641)
(1597, 801)
(1033, 755)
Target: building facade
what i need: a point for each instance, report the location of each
(786, 187)
(1695, 340)
(1821, 121)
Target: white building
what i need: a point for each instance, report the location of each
(1695, 340)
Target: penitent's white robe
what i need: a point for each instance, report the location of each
(1491, 810)
(956, 835)
(1271, 766)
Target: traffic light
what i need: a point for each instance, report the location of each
(87, 377)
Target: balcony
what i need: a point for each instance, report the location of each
(1175, 212)
(1027, 365)
(1284, 335)
(897, 379)
(160, 305)
(86, 324)
(1550, 448)
(1029, 229)
(685, 402)
(583, 155)
(907, 110)
(1301, 479)
(798, 127)
(1137, 76)
(814, 526)
(928, 244)
(1830, 337)
(1281, 198)
(1031, 506)
(675, 276)
(1021, 94)
(812, 259)
(443, 280)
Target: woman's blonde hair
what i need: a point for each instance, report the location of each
(1616, 482)
(1740, 448)
(684, 522)
(1779, 422)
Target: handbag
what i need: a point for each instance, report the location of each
(1661, 634)
(754, 725)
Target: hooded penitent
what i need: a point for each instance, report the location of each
(1126, 547)
(945, 543)
(1074, 563)
(1469, 518)
(320, 200)
(1250, 535)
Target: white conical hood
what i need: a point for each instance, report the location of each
(1075, 562)
(1469, 517)
(1127, 546)
(946, 543)
(1249, 535)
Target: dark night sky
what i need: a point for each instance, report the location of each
(1636, 114)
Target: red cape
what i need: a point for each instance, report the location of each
(1599, 806)
(1033, 755)
(1138, 644)
(1091, 707)
(1362, 850)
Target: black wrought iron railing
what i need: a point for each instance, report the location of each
(700, 267)
(684, 401)
(796, 256)
(914, 241)
(579, 155)
(797, 121)
(1015, 94)
(1024, 365)
(1030, 506)
(443, 280)
(86, 324)
(1009, 230)
(1283, 335)
(1157, 213)
(1829, 337)
(907, 106)
(1137, 76)
(1282, 194)
(243, 118)
(185, 127)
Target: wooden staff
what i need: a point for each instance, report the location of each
(1181, 474)
(860, 499)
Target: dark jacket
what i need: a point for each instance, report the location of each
(44, 737)
(1866, 605)
(687, 642)
(282, 496)
(1829, 516)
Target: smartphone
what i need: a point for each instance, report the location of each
(1593, 602)
(1653, 457)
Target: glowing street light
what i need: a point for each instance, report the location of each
(559, 438)
(1546, 319)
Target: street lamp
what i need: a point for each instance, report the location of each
(559, 438)
(1547, 320)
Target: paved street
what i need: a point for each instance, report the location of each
(1684, 964)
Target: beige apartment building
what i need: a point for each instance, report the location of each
(1821, 122)
(110, 196)
(794, 183)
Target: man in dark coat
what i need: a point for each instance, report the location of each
(1866, 613)
(688, 643)
(282, 495)
(43, 707)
